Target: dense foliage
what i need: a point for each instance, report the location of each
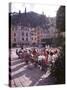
(60, 20)
(59, 68)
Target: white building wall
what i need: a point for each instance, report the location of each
(13, 30)
(18, 35)
(24, 36)
(43, 34)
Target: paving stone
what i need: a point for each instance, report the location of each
(27, 75)
(17, 82)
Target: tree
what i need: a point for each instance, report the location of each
(60, 19)
(59, 68)
(60, 25)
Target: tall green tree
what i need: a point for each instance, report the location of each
(59, 67)
(60, 19)
(60, 25)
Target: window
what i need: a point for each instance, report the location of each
(35, 38)
(23, 39)
(22, 33)
(14, 34)
(26, 39)
(15, 39)
(32, 38)
(12, 28)
(26, 34)
(32, 34)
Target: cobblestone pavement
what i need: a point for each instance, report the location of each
(23, 75)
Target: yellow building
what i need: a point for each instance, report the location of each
(33, 36)
(39, 34)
